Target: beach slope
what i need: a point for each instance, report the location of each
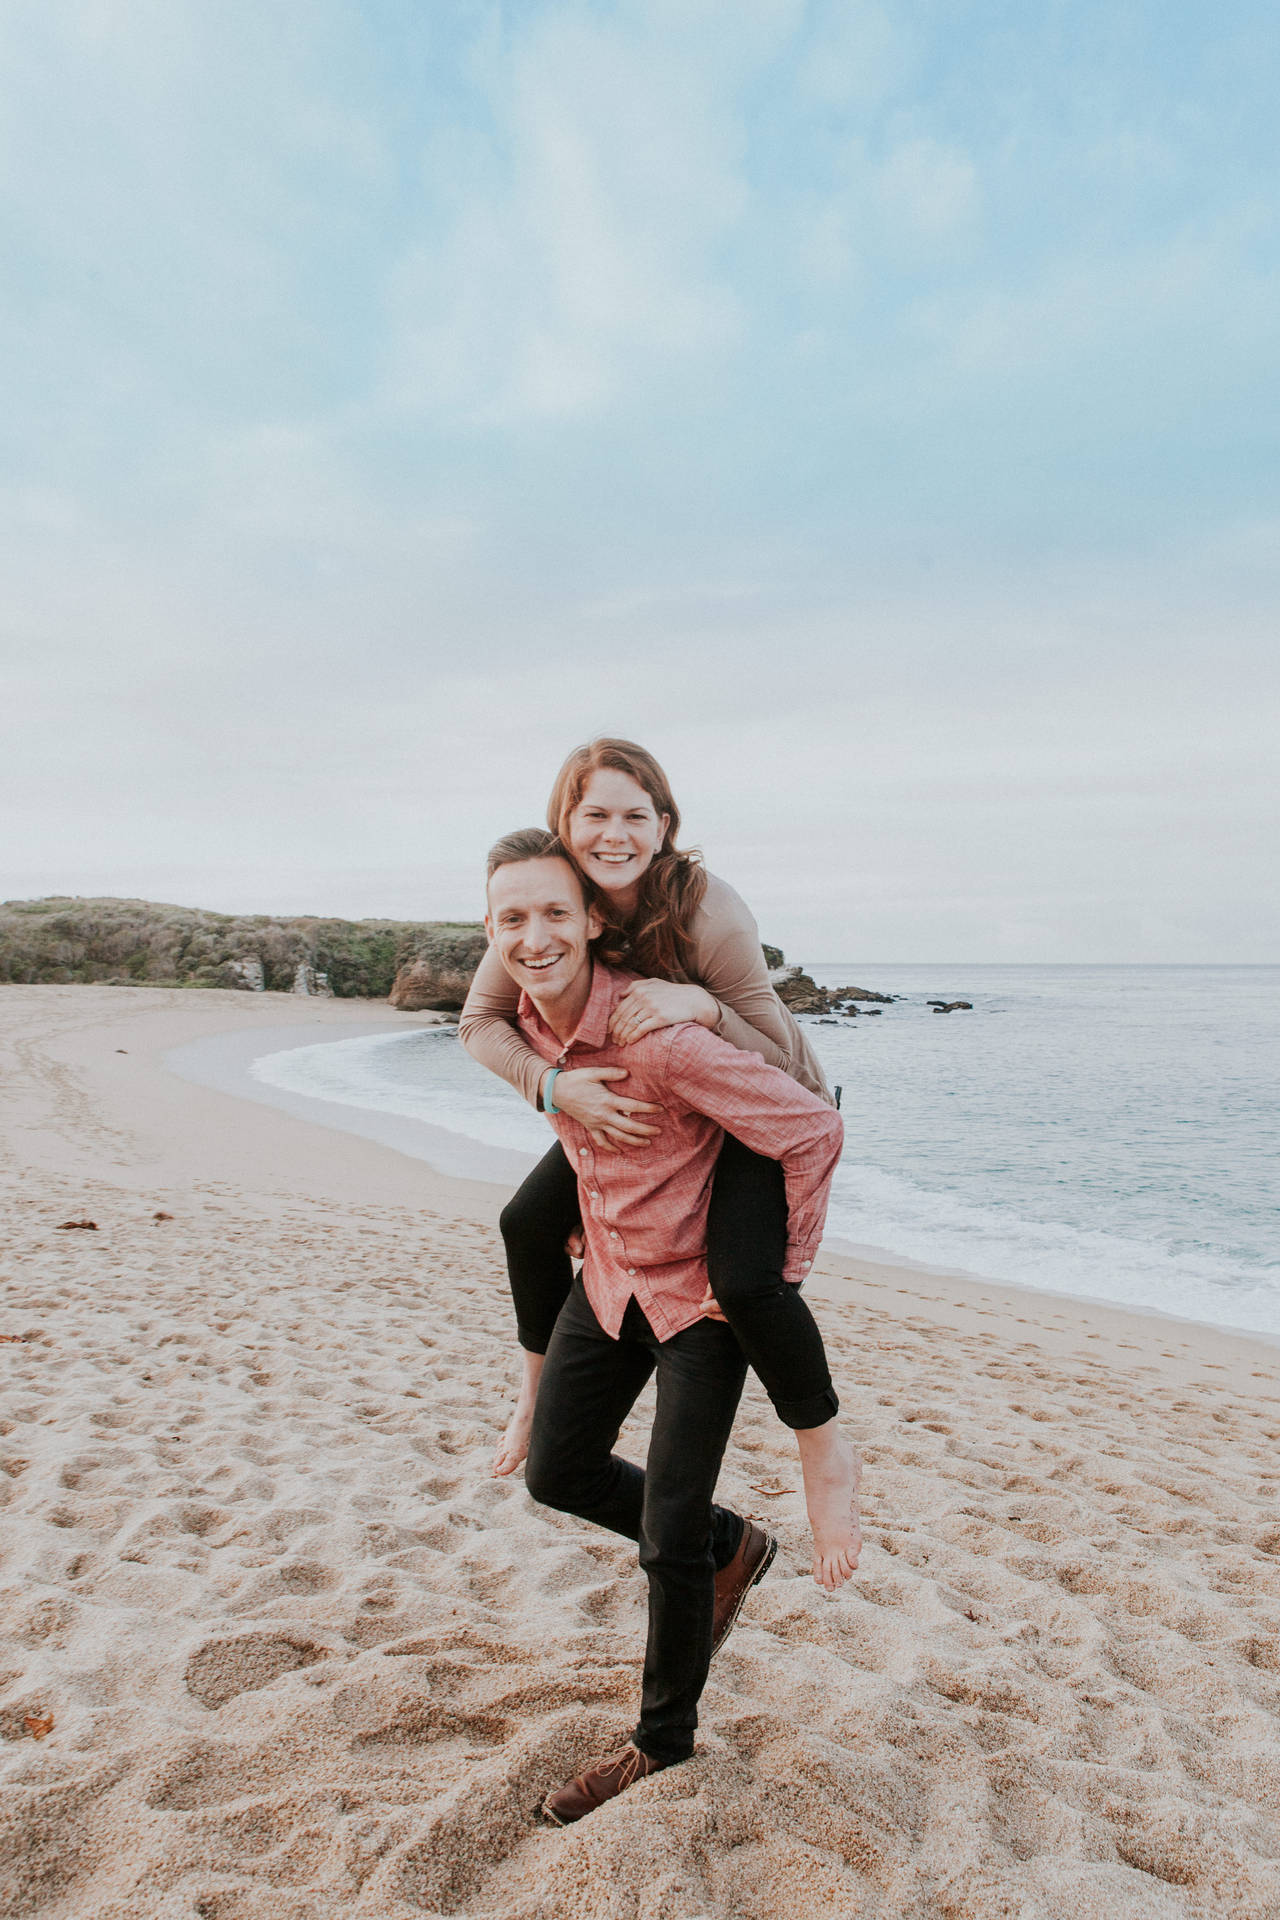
(274, 1645)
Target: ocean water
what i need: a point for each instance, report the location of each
(1105, 1132)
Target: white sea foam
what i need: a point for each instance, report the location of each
(423, 1076)
(879, 1209)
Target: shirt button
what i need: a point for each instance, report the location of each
(612, 1235)
(582, 1153)
(631, 1273)
(805, 1265)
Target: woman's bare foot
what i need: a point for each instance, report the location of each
(832, 1475)
(514, 1444)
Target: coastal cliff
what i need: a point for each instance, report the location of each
(439, 971)
(143, 943)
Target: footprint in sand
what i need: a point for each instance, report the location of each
(221, 1669)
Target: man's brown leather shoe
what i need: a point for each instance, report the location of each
(733, 1583)
(605, 1780)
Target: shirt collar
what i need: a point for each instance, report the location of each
(593, 1028)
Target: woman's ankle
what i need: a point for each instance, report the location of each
(531, 1365)
(818, 1439)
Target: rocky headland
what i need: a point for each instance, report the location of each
(66, 940)
(802, 994)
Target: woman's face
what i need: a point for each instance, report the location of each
(614, 832)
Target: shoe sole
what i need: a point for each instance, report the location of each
(770, 1554)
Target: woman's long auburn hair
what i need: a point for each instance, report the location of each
(657, 940)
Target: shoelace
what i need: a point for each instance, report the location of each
(628, 1763)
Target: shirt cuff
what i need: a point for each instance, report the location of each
(799, 1264)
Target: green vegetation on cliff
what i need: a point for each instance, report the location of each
(140, 943)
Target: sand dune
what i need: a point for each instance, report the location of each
(304, 1658)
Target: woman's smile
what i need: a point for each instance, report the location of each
(614, 833)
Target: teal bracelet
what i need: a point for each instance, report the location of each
(548, 1105)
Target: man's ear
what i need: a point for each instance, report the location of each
(595, 925)
(488, 927)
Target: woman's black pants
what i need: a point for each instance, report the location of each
(746, 1247)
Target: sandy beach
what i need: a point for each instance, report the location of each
(275, 1646)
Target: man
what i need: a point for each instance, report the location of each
(640, 1305)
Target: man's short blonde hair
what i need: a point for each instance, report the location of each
(527, 843)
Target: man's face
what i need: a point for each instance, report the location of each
(540, 926)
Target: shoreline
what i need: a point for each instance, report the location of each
(278, 1646)
(222, 1062)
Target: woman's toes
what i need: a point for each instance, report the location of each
(514, 1444)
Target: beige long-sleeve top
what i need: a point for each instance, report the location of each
(727, 961)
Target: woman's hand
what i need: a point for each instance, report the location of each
(607, 1115)
(651, 1004)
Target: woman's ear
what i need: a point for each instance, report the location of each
(664, 821)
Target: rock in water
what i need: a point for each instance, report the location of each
(801, 994)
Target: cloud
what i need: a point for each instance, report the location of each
(861, 407)
(577, 250)
(927, 195)
(854, 55)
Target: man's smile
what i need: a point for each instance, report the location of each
(542, 927)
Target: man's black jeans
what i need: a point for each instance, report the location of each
(589, 1385)
(746, 1246)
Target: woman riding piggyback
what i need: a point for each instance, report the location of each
(696, 946)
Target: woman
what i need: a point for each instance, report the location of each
(699, 948)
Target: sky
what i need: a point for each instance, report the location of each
(871, 408)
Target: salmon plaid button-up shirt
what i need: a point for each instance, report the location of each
(644, 1211)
